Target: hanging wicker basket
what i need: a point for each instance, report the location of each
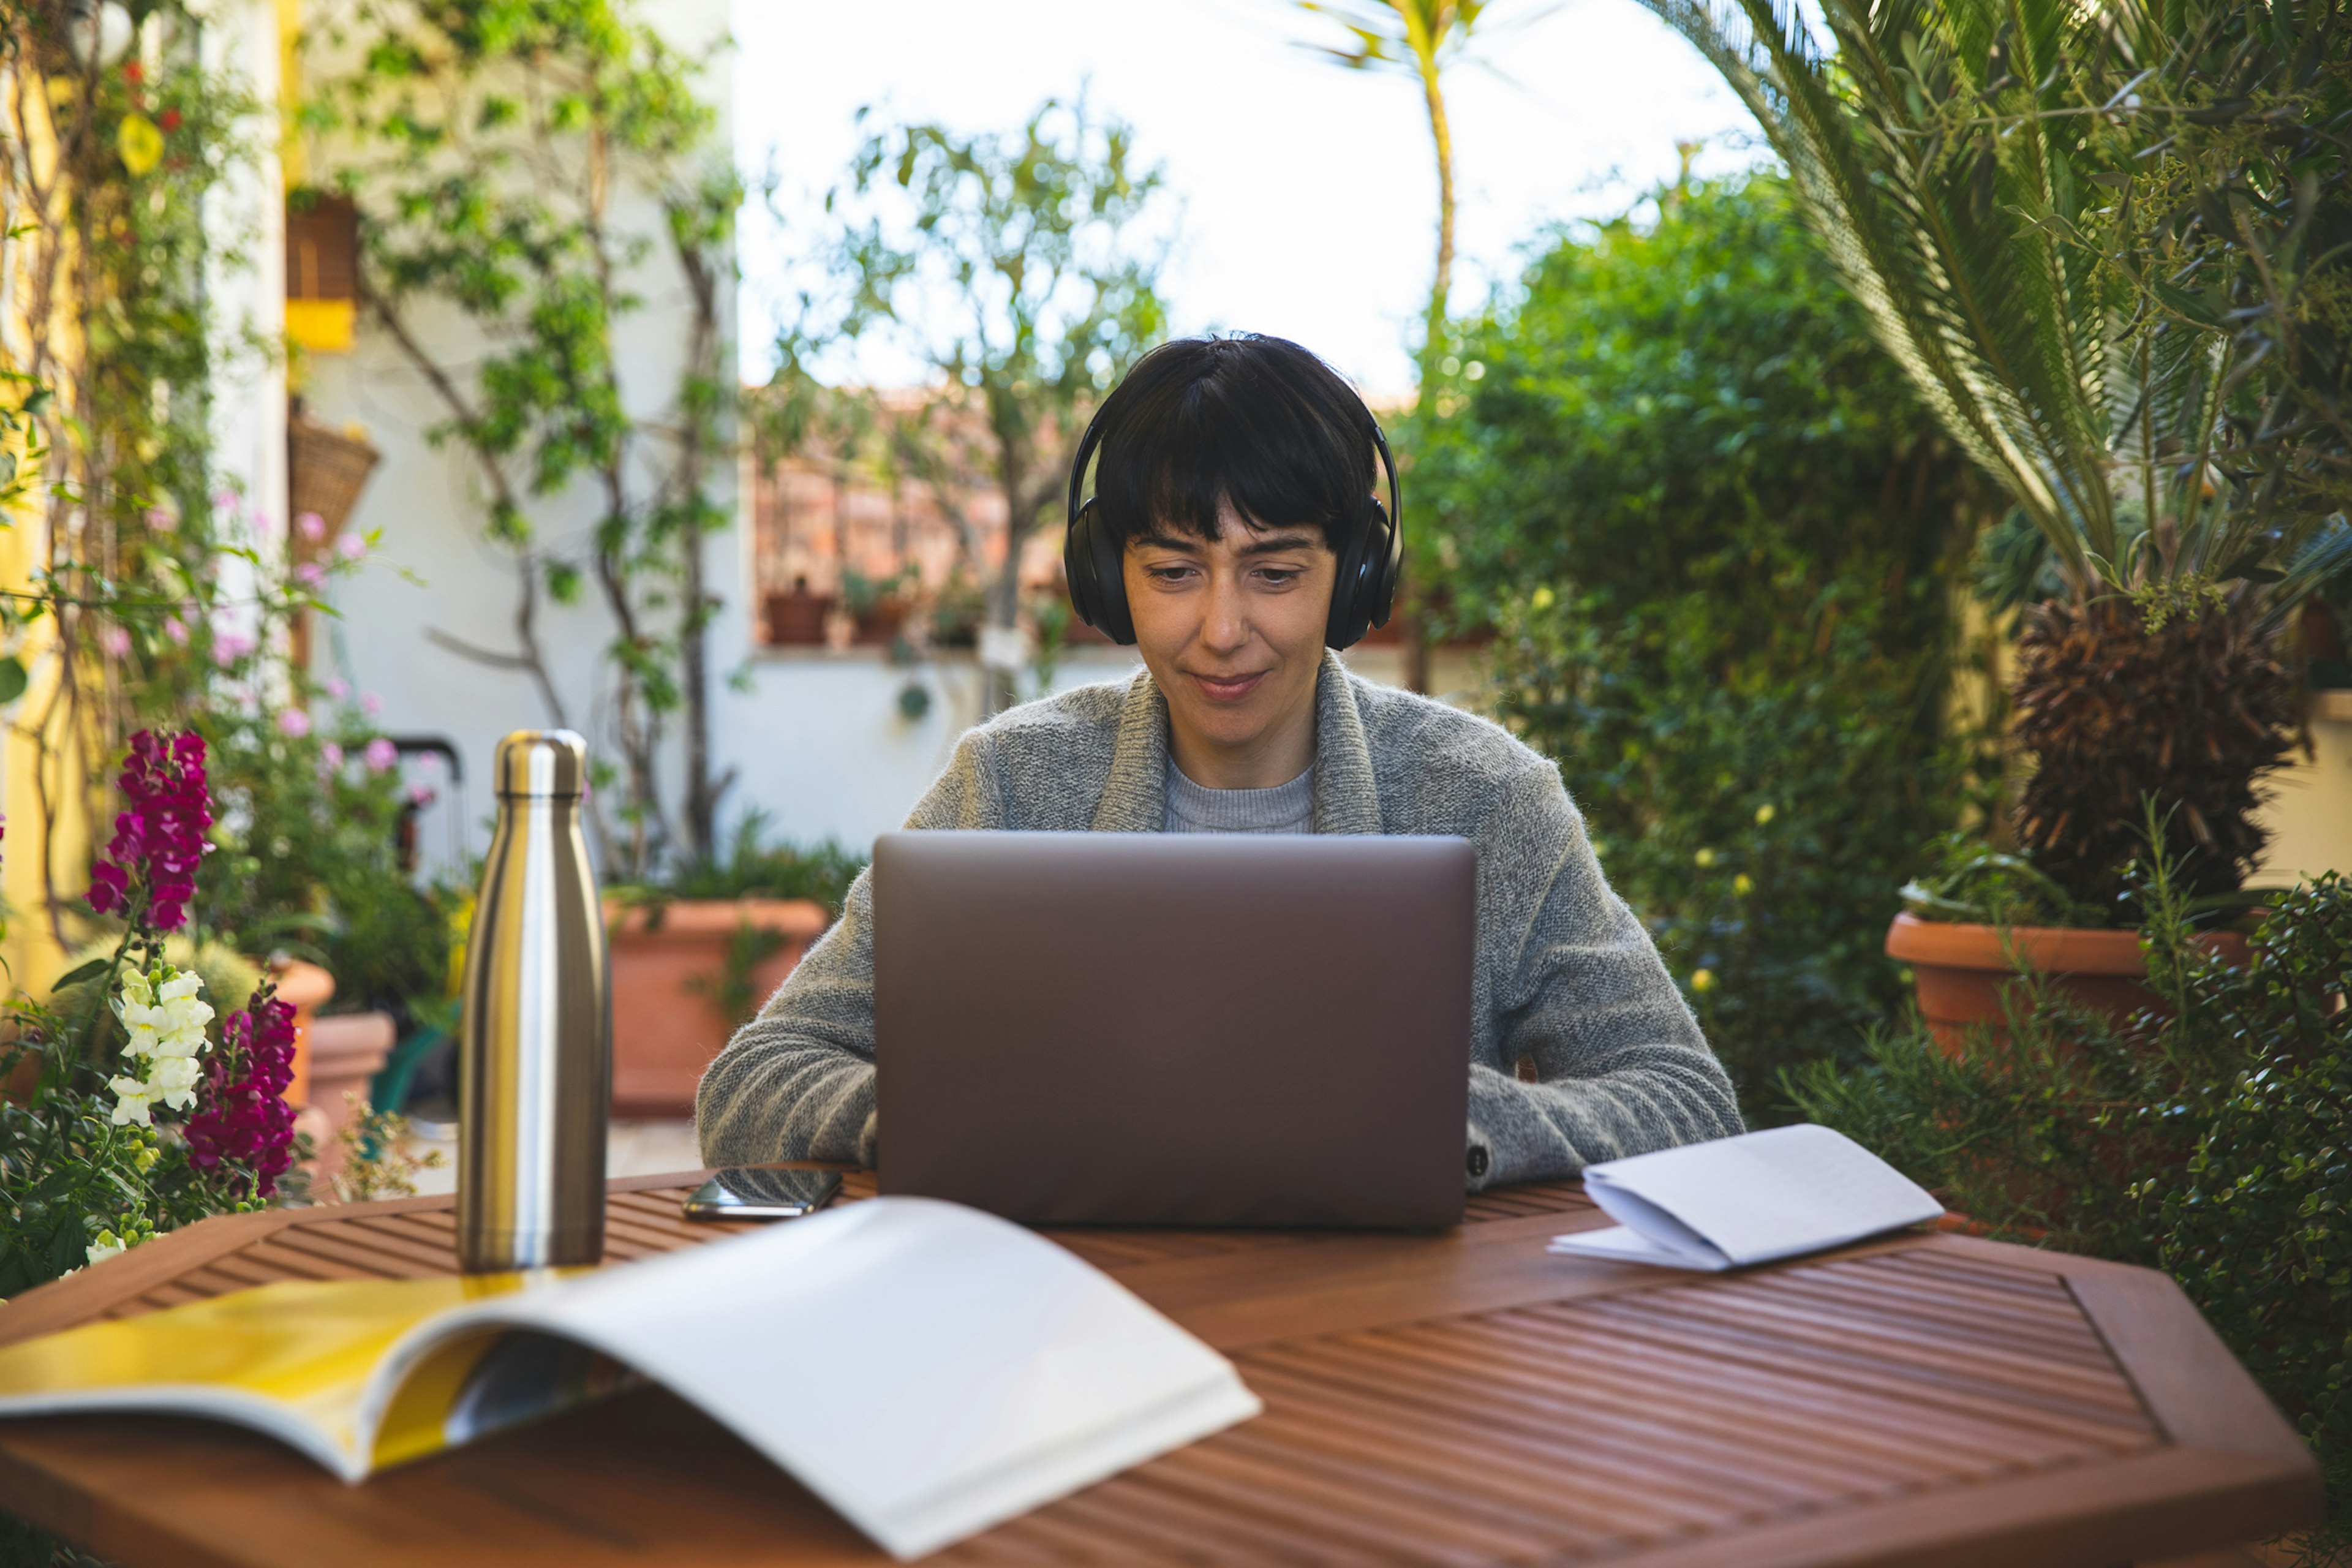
(325, 471)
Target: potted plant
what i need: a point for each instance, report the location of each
(138, 1102)
(2092, 245)
(695, 954)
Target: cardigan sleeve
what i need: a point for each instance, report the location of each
(1621, 1066)
(797, 1081)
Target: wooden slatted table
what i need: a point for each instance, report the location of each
(1454, 1399)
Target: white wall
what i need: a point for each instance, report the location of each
(246, 280)
(436, 571)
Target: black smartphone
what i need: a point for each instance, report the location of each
(763, 1192)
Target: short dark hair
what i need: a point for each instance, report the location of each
(1254, 420)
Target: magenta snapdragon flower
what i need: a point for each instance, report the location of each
(245, 1117)
(159, 838)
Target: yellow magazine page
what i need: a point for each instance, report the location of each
(292, 1359)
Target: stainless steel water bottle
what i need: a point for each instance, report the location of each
(536, 1058)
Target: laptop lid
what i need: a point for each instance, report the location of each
(1204, 1029)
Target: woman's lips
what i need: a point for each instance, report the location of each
(1227, 688)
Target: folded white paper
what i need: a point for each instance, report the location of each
(1756, 1198)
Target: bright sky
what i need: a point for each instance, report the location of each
(1309, 191)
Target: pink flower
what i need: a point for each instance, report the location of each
(381, 755)
(228, 647)
(421, 796)
(226, 500)
(162, 521)
(294, 723)
(339, 688)
(114, 641)
(176, 629)
(311, 574)
(333, 755)
(351, 547)
(159, 838)
(370, 704)
(244, 1118)
(312, 526)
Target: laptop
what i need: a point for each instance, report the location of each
(1177, 1029)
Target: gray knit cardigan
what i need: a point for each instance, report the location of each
(1565, 975)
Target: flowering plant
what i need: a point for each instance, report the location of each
(123, 1116)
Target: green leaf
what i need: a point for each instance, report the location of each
(81, 973)
(13, 678)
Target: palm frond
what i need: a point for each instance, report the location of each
(1947, 197)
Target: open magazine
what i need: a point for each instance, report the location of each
(1735, 1202)
(926, 1369)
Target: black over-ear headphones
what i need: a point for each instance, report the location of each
(1361, 596)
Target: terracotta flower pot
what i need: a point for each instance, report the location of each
(345, 1050)
(668, 967)
(306, 988)
(1963, 970)
(797, 619)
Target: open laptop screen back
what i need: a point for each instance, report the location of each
(1175, 1029)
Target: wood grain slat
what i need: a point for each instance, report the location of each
(1880, 1335)
(1930, 1381)
(2056, 1332)
(1641, 1368)
(1790, 1411)
(1556, 1455)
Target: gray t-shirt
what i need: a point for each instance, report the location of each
(1196, 808)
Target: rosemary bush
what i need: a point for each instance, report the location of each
(2211, 1138)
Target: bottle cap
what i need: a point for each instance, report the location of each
(542, 764)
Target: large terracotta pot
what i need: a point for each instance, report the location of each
(346, 1050)
(306, 988)
(1962, 970)
(667, 964)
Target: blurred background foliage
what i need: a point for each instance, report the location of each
(1721, 551)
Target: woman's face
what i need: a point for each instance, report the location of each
(1231, 629)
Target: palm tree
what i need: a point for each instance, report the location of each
(2047, 210)
(1420, 38)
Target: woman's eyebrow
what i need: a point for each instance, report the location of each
(1288, 539)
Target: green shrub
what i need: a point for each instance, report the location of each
(753, 868)
(2215, 1143)
(308, 860)
(1719, 546)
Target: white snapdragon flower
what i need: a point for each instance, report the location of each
(173, 1080)
(185, 1015)
(145, 1025)
(106, 1246)
(165, 1018)
(132, 1099)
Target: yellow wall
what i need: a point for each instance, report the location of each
(2310, 809)
(32, 954)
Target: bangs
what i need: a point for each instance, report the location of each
(1258, 422)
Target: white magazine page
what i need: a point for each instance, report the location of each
(1622, 1244)
(1643, 1233)
(1770, 1194)
(927, 1369)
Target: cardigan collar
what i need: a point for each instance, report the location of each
(1135, 795)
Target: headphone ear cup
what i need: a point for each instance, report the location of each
(1381, 586)
(1360, 593)
(1091, 564)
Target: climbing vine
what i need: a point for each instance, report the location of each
(522, 163)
